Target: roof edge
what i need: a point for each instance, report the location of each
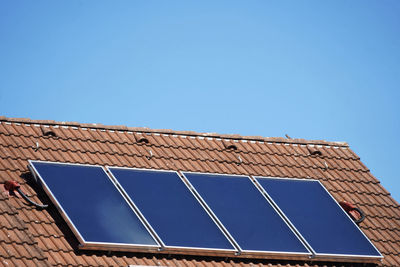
(183, 133)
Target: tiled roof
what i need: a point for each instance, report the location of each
(32, 237)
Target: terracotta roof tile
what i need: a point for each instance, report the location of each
(32, 237)
(16, 262)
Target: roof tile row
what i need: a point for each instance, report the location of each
(177, 141)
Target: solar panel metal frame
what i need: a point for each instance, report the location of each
(251, 253)
(178, 249)
(156, 248)
(84, 244)
(324, 256)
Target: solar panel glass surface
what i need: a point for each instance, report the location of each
(93, 204)
(318, 218)
(246, 213)
(171, 209)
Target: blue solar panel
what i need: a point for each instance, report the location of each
(93, 204)
(246, 213)
(171, 209)
(318, 218)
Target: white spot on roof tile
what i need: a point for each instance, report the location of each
(166, 135)
(130, 132)
(84, 129)
(156, 134)
(74, 127)
(121, 132)
(56, 126)
(93, 129)
(36, 125)
(18, 124)
(201, 137)
(111, 131)
(174, 135)
(209, 138)
(65, 127)
(192, 137)
(253, 142)
(243, 141)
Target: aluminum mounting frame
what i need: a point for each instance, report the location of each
(321, 256)
(243, 252)
(162, 248)
(83, 244)
(174, 249)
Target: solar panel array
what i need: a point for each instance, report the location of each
(183, 212)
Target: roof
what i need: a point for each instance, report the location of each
(34, 237)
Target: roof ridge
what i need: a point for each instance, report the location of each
(278, 140)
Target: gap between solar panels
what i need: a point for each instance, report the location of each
(162, 211)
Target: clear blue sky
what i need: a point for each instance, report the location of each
(312, 69)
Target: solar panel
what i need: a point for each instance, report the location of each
(246, 214)
(318, 218)
(92, 205)
(171, 209)
(152, 209)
